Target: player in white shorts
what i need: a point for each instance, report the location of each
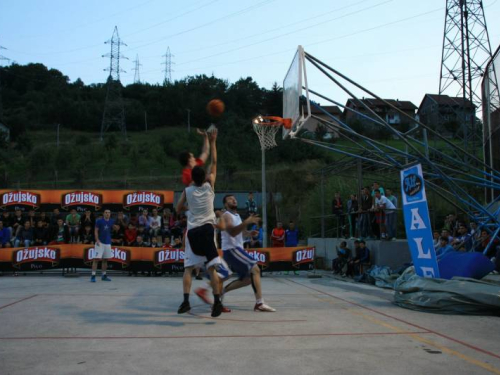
(238, 259)
(102, 245)
(200, 247)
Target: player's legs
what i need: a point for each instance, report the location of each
(187, 280)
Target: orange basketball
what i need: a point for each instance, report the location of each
(215, 107)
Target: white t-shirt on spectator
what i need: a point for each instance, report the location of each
(155, 222)
(389, 206)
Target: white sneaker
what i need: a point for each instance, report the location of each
(263, 307)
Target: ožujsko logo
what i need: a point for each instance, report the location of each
(24, 198)
(82, 198)
(121, 256)
(36, 254)
(168, 255)
(140, 198)
(303, 256)
(262, 257)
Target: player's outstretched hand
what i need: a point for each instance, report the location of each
(252, 219)
(201, 132)
(212, 136)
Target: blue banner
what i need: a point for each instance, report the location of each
(417, 222)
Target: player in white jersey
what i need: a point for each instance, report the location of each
(237, 258)
(200, 248)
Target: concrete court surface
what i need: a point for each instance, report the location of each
(56, 325)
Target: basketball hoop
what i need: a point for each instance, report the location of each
(266, 128)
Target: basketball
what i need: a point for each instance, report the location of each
(215, 107)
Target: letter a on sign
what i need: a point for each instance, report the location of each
(416, 220)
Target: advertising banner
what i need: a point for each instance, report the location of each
(417, 222)
(141, 258)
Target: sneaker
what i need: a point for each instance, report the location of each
(184, 308)
(216, 309)
(105, 278)
(203, 294)
(263, 307)
(92, 279)
(225, 309)
(199, 277)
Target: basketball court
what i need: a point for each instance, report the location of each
(51, 325)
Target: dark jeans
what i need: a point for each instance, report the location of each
(364, 225)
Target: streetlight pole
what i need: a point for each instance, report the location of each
(189, 120)
(264, 200)
(58, 135)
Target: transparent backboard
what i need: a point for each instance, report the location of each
(293, 84)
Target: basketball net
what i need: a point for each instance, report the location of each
(266, 128)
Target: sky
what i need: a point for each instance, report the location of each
(393, 47)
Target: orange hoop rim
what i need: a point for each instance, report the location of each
(273, 121)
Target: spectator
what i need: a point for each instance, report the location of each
(141, 231)
(155, 225)
(44, 219)
(392, 197)
(177, 243)
(5, 235)
(166, 242)
(134, 219)
(116, 235)
(259, 238)
(251, 205)
(73, 223)
(40, 234)
(24, 235)
(364, 213)
(32, 218)
(7, 220)
(139, 242)
(122, 220)
(435, 238)
(87, 218)
(144, 219)
(376, 186)
(60, 233)
(352, 212)
(87, 236)
(443, 248)
(354, 266)
(56, 215)
(383, 204)
(446, 233)
(291, 235)
(18, 220)
(339, 264)
(464, 240)
(167, 221)
(154, 242)
(451, 224)
(278, 235)
(338, 210)
(130, 236)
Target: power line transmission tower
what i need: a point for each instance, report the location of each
(466, 51)
(114, 112)
(137, 76)
(2, 58)
(168, 67)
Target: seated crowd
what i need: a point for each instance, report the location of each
(141, 230)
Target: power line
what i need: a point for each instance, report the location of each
(168, 67)
(137, 77)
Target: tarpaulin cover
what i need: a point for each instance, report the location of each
(455, 296)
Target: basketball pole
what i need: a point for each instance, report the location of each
(264, 200)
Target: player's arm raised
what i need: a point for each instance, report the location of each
(212, 137)
(181, 204)
(206, 146)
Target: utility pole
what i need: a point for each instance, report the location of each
(145, 120)
(189, 120)
(114, 111)
(168, 67)
(137, 76)
(58, 135)
(4, 59)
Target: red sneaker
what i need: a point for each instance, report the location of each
(226, 309)
(202, 293)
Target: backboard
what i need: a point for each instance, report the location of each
(294, 84)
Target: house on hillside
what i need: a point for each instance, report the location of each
(356, 110)
(445, 113)
(312, 124)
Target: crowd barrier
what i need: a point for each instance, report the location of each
(37, 258)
